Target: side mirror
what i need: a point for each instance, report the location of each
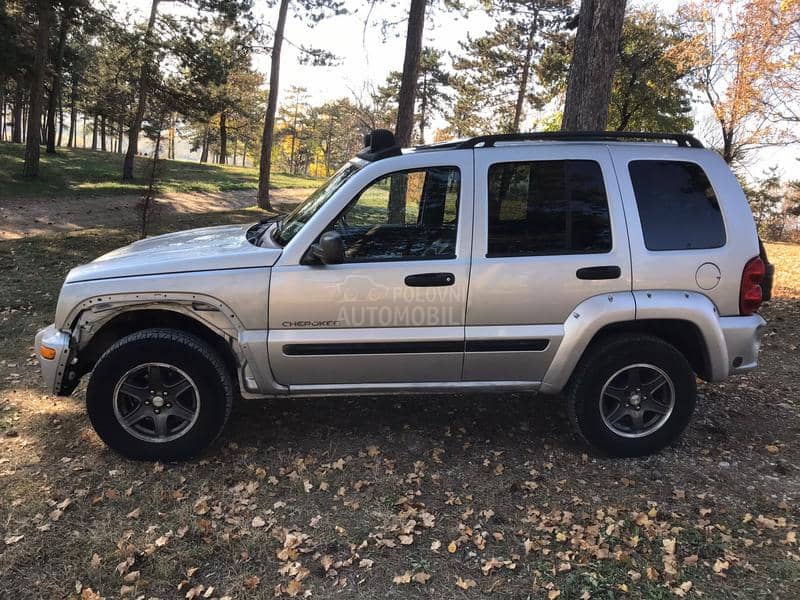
(329, 250)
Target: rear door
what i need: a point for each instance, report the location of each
(549, 233)
(393, 312)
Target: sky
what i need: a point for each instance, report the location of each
(366, 57)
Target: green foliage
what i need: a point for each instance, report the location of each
(648, 92)
(494, 82)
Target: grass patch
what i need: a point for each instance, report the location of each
(78, 172)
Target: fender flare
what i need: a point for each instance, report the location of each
(597, 312)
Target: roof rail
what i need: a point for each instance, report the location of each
(683, 139)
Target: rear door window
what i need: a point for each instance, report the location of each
(677, 206)
(547, 207)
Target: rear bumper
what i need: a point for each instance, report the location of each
(53, 369)
(743, 341)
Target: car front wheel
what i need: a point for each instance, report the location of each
(159, 394)
(632, 395)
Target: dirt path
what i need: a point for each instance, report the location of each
(38, 216)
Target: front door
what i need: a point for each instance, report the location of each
(393, 312)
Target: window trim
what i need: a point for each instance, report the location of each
(497, 255)
(357, 195)
(639, 215)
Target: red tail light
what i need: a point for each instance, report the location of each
(750, 290)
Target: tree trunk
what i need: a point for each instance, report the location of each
(405, 105)
(592, 69)
(3, 112)
(235, 143)
(16, 115)
(727, 144)
(55, 86)
(204, 151)
(94, 133)
(265, 162)
(144, 88)
(83, 132)
(173, 134)
(408, 83)
(32, 141)
(103, 133)
(523, 83)
(120, 126)
(244, 155)
(60, 120)
(223, 138)
(72, 139)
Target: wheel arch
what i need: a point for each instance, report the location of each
(684, 335)
(130, 319)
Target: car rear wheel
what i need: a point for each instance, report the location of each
(159, 394)
(632, 395)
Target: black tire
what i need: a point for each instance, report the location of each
(588, 407)
(210, 390)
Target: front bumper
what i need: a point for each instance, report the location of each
(53, 369)
(743, 341)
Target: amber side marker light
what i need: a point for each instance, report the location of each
(48, 353)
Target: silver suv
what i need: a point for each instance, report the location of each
(607, 268)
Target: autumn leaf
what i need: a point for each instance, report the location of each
(465, 584)
(294, 588)
(402, 579)
(95, 561)
(553, 594)
(452, 547)
(134, 514)
(406, 539)
(258, 522)
(421, 577)
(720, 566)
(201, 506)
(252, 582)
(326, 561)
(13, 539)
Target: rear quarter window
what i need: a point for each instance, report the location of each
(677, 205)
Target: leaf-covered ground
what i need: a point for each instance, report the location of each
(441, 497)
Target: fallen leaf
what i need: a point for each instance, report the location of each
(13, 539)
(435, 545)
(452, 547)
(95, 561)
(553, 594)
(402, 579)
(252, 582)
(773, 449)
(421, 577)
(406, 539)
(134, 514)
(326, 561)
(720, 566)
(258, 522)
(294, 588)
(131, 577)
(465, 584)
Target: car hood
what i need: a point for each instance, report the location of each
(206, 249)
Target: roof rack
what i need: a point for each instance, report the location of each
(682, 139)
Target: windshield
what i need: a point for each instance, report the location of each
(292, 223)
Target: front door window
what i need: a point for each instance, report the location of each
(409, 215)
